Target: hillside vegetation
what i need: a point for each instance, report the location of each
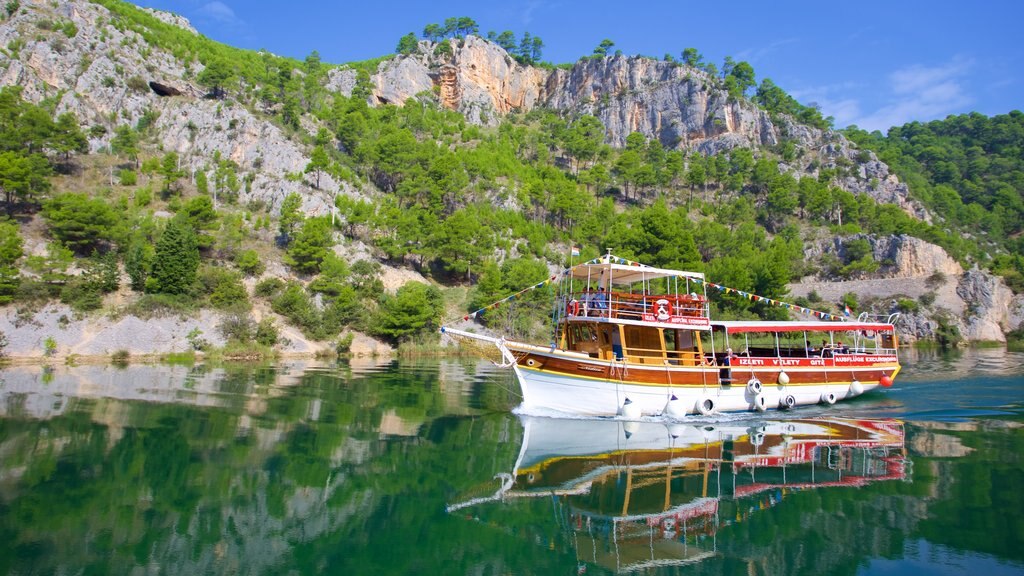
(105, 210)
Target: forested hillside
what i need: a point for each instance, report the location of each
(969, 171)
(250, 184)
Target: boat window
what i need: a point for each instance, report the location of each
(792, 345)
(643, 341)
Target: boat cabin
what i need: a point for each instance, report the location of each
(868, 335)
(633, 313)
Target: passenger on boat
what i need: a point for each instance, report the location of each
(729, 355)
(600, 301)
(826, 349)
(587, 302)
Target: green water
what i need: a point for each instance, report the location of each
(349, 469)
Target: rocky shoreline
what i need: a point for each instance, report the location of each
(55, 333)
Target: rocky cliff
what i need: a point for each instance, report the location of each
(681, 106)
(978, 304)
(103, 73)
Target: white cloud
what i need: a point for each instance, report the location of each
(920, 93)
(220, 12)
(526, 16)
(753, 56)
(833, 101)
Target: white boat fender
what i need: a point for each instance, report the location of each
(760, 403)
(828, 398)
(706, 406)
(676, 430)
(783, 378)
(756, 438)
(629, 410)
(856, 388)
(674, 408)
(754, 386)
(630, 428)
(787, 401)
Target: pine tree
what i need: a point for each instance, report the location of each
(176, 259)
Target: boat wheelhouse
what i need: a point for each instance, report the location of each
(635, 340)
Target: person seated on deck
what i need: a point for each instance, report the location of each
(826, 349)
(600, 301)
(587, 302)
(842, 349)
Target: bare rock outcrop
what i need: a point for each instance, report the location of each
(680, 106)
(977, 303)
(988, 302)
(108, 75)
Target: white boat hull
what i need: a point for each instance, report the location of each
(544, 390)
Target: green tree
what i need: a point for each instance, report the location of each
(310, 246)
(318, 163)
(415, 309)
(68, 136)
(176, 259)
(507, 40)
(138, 260)
(170, 171)
(81, 223)
(602, 49)
(11, 251)
(433, 32)
(216, 77)
(583, 139)
(23, 177)
(291, 215)
(126, 142)
(407, 44)
(691, 57)
(743, 73)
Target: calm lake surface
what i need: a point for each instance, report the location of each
(418, 467)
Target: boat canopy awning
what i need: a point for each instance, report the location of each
(739, 327)
(626, 273)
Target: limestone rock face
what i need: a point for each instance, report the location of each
(681, 106)
(979, 304)
(104, 75)
(678, 105)
(988, 305)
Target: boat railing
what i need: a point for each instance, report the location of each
(630, 306)
(882, 318)
(660, 356)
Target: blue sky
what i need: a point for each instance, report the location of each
(871, 63)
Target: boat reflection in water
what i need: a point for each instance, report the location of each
(636, 495)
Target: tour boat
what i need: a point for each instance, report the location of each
(635, 340)
(635, 495)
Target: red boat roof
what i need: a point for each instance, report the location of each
(740, 326)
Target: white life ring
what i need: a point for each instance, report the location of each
(661, 310)
(706, 406)
(787, 401)
(754, 386)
